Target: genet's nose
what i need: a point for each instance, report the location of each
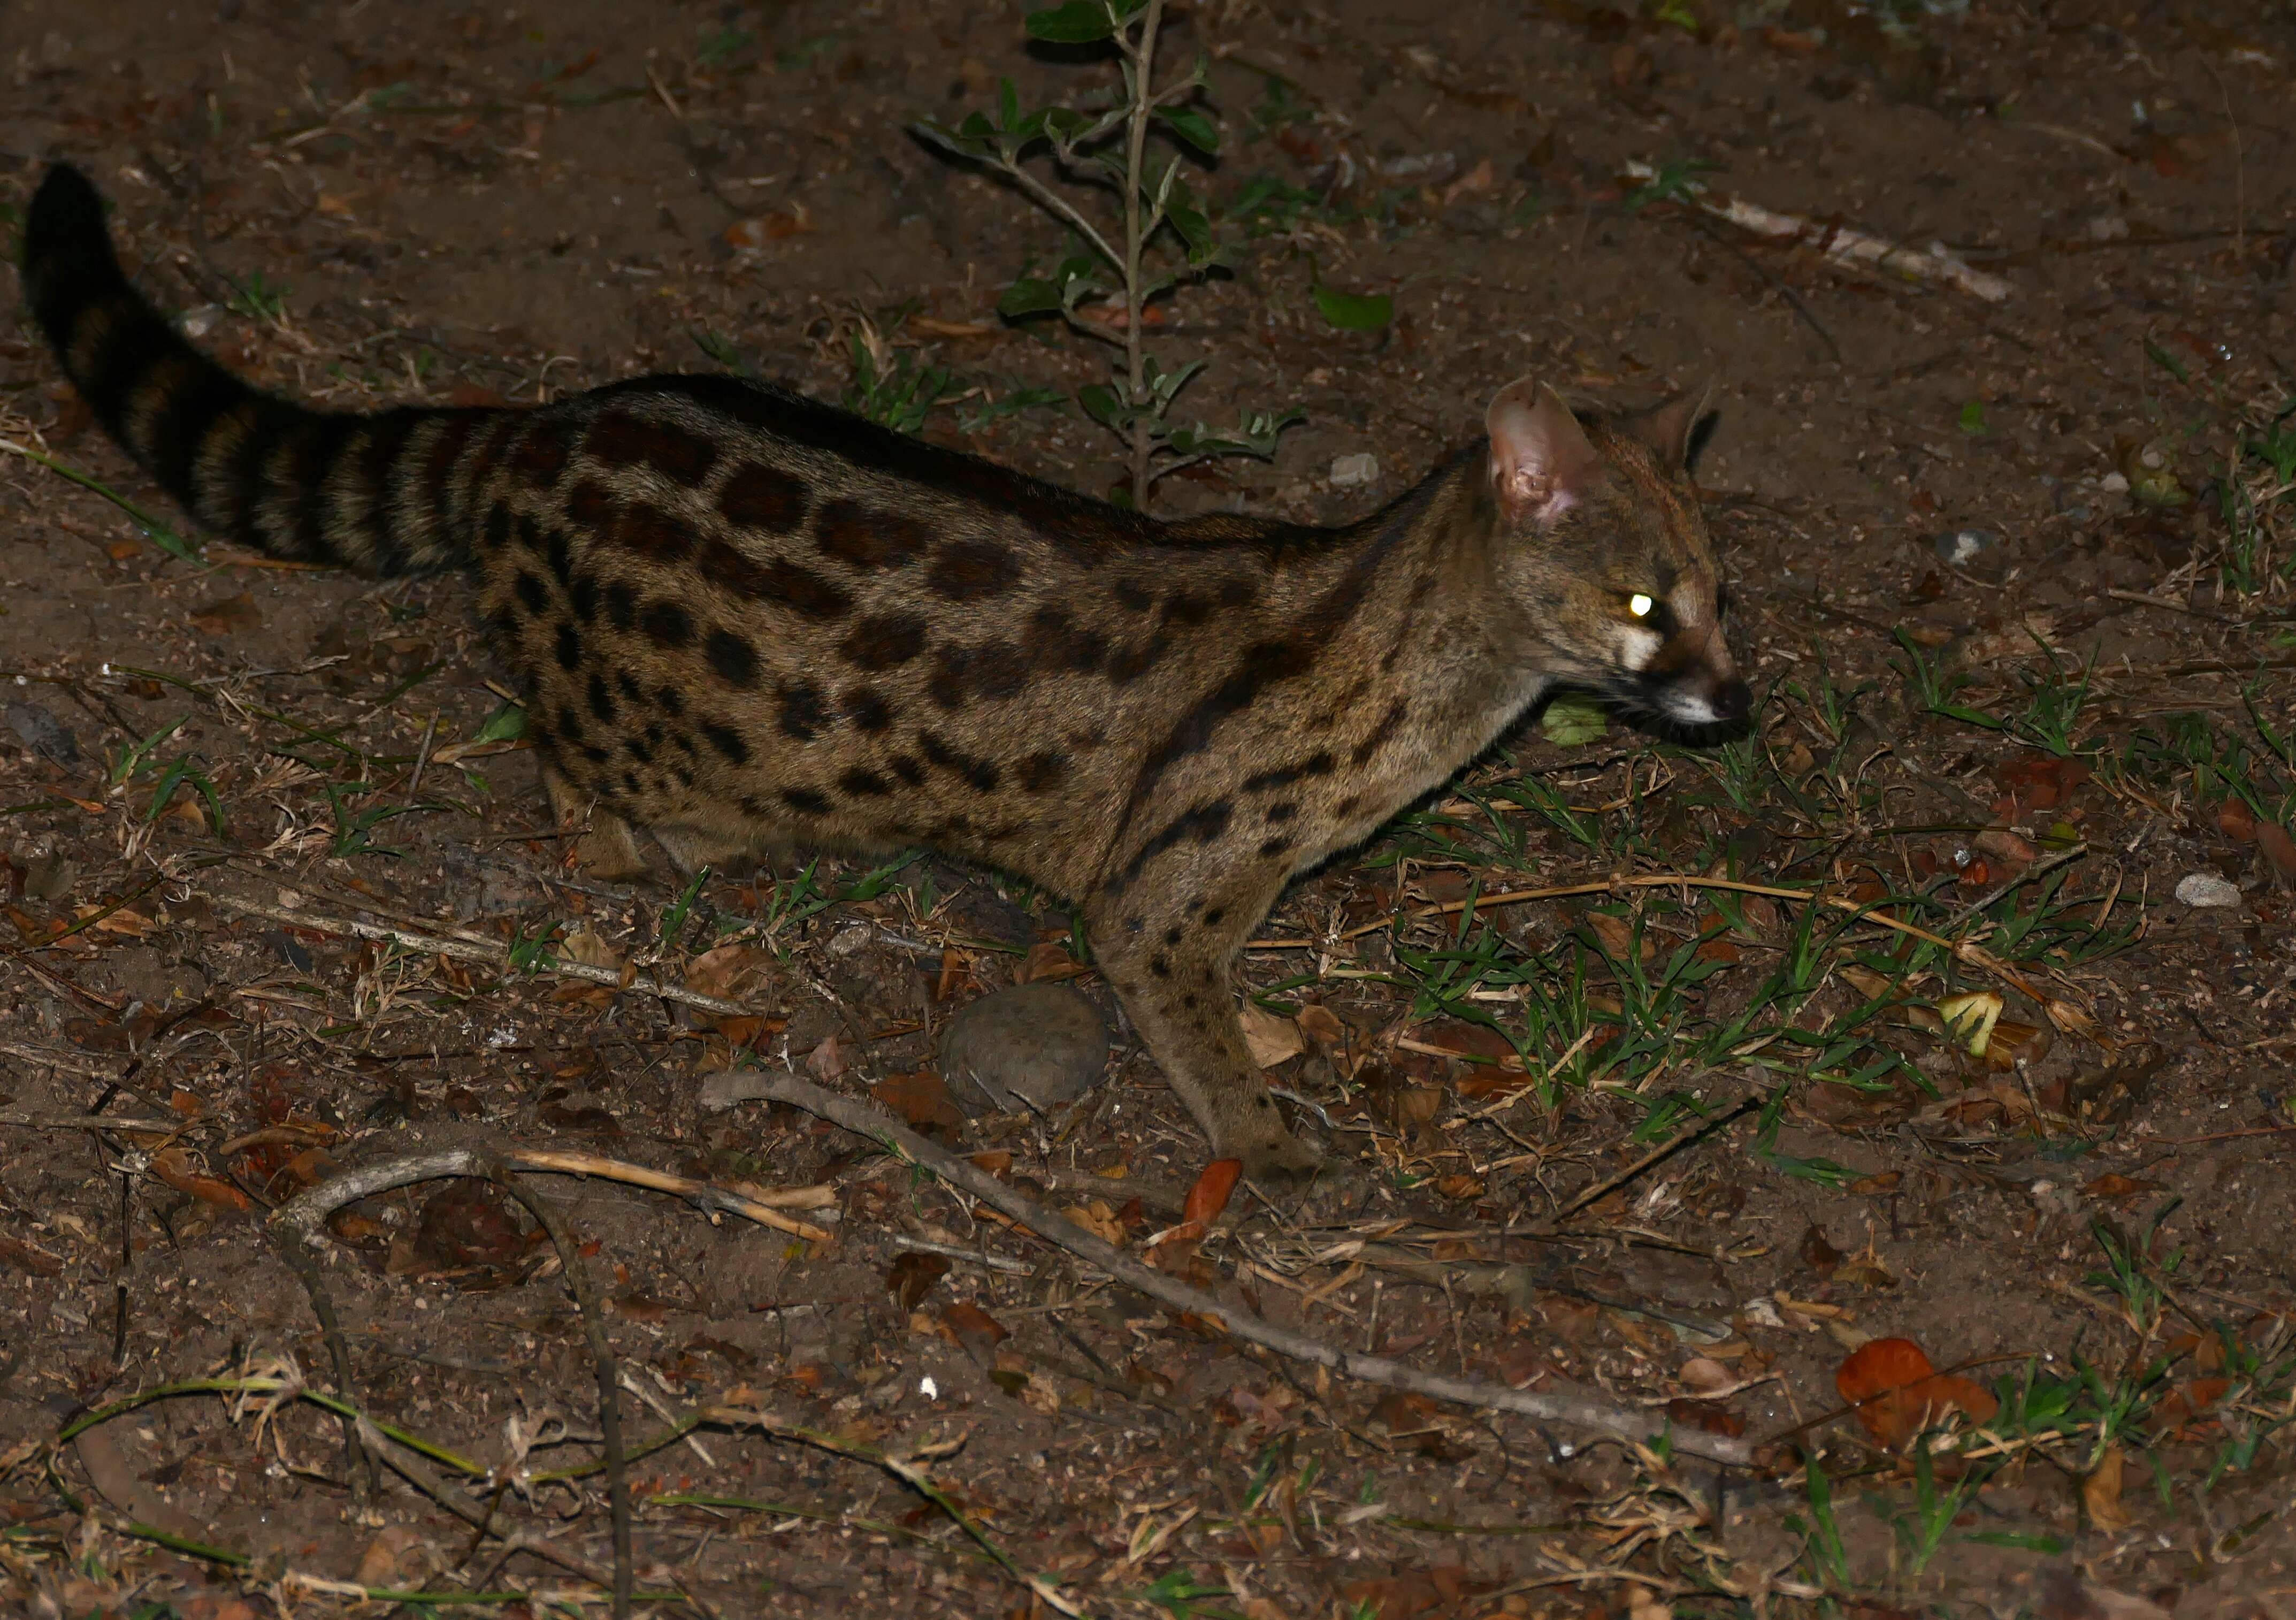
(1732, 702)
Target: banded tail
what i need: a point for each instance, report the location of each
(386, 493)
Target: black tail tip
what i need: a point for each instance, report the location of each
(66, 220)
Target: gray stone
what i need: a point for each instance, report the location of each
(2207, 889)
(1963, 547)
(44, 734)
(1348, 471)
(1033, 1046)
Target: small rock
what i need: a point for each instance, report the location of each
(2107, 227)
(2113, 483)
(1962, 547)
(1349, 470)
(44, 734)
(1034, 1045)
(2207, 889)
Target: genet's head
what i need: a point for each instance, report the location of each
(1606, 559)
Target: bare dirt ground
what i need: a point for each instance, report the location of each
(2012, 580)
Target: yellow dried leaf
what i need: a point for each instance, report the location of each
(1272, 1040)
(2100, 1493)
(1970, 1018)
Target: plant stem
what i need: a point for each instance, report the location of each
(1144, 101)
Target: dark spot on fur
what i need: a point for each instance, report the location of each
(732, 657)
(1173, 936)
(1189, 1000)
(623, 441)
(541, 456)
(774, 579)
(583, 592)
(1134, 598)
(1283, 775)
(1126, 665)
(667, 624)
(1280, 813)
(967, 571)
(866, 708)
(1160, 965)
(568, 728)
(762, 497)
(1185, 607)
(806, 801)
(863, 537)
(864, 784)
(907, 768)
(569, 648)
(994, 670)
(1275, 847)
(495, 535)
(804, 712)
(884, 641)
(1213, 914)
(1043, 770)
(652, 533)
(1058, 643)
(1380, 732)
(1201, 825)
(532, 592)
(981, 774)
(621, 606)
(637, 748)
(727, 741)
(591, 504)
(601, 701)
(669, 700)
(558, 551)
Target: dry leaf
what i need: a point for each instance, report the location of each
(1097, 1218)
(588, 948)
(1897, 1394)
(226, 615)
(750, 235)
(1208, 1197)
(922, 1100)
(911, 1278)
(1972, 1017)
(1272, 1040)
(2101, 1493)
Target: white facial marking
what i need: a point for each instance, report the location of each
(1690, 709)
(1637, 646)
(1639, 606)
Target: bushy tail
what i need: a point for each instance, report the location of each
(385, 494)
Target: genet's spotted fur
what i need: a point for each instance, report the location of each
(747, 620)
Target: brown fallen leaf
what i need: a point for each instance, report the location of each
(976, 1332)
(750, 235)
(1897, 1394)
(922, 1100)
(909, 1279)
(1271, 1038)
(2100, 1492)
(226, 615)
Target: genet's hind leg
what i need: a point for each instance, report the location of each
(607, 850)
(690, 849)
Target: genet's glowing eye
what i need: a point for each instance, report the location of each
(1639, 606)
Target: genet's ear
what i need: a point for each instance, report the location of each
(1671, 430)
(1542, 463)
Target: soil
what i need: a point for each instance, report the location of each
(210, 768)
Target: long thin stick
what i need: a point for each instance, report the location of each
(1579, 1411)
(1840, 242)
(643, 984)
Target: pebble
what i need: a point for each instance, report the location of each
(1349, 470)
(44, 734)
(1963, 547)
(1033, 1046)
(2207, 889)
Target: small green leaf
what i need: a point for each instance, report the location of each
(1573, 723)
(506, 724)
(1972, 417)
(1192, 126)
(1029, 296)
(1008, 104)
(1354, 311)
(1077, 23)
(1102, 403)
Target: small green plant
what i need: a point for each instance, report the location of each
(889, 386)
(1672, 183)
(530, 953)
(1821, 1544)
(2131, 1274)
(355, 828)
(179, 772)
(1104, 292)
(134, 759)
(1932, 688)
(673, 914)
(257, 299)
